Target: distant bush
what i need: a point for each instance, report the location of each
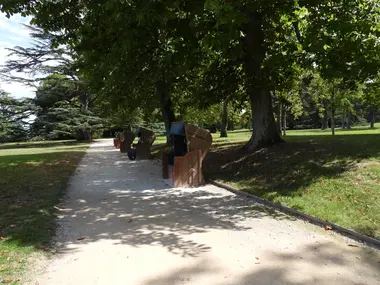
(37, 138)
(361, 122)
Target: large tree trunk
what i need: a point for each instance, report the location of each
(344, 120)
(168, 115)
(264, 128)
(333, 122)
(333, 112)
(224, 126)
(348, 121)
(284, 123)
(372, 117)
(84, 135)
(279, 119)
(325, 123)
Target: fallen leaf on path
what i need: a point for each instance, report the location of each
(257, 258)
(130, 221)
(43, 247)
(257, 262)
(226, 276)
(353, 245)
(6, 281)
(328, 228)
(81, 238)
(17, 280)
(340, 198)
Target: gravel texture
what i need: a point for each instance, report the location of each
(121, 224)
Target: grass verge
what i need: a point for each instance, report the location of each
(335, 178)
(33, 179)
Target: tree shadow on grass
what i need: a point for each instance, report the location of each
(31, 185)
(126, 203)
(287, 169)
(106, 196)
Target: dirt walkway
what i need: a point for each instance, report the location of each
(138, 231)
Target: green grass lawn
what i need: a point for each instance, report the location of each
(33, 178)
(333, 177)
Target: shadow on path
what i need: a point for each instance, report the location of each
(211, 235)
(114, 198)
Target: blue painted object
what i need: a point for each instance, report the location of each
(177, 129)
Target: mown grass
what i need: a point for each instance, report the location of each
(33, 178)
(333, 177)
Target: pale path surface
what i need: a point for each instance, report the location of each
(140, 232)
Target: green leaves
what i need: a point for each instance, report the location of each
(14, 117)
(343, 37)
(200, 48)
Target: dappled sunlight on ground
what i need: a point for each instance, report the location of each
(316, 174)
(121, 224)
(32, 182)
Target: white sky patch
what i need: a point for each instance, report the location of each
(13, 33)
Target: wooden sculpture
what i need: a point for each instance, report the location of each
(116, 140)
(116, 143)
(126, 140)
(183, 165)
(145, 142)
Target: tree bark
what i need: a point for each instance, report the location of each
(372, 117)
(344, 120)
(333, 122)
(279, 119)
(284, 123)
(166, 104)
(84, 135)
(224, 126)
(348, 121)
(325, 117)
(333, 113)
(264, 128)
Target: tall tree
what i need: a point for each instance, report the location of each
(371, 96)
(342, 38)
(338, 37)
(61, 112)
(15, 117)
(62, 93)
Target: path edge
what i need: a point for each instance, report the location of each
(371, 242)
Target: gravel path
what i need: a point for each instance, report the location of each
(120, 224)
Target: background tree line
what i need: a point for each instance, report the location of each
(265, 65)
